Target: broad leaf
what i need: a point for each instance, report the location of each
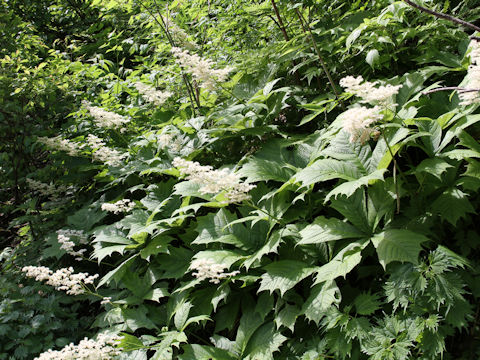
(264, 342)
(283, 275)
(398, 245)
(321, 298)
(323, 230)
(344, 262)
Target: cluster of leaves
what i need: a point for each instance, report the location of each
(345, 250)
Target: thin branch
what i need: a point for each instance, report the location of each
(450, 88)
(282, 27)
(443, 16)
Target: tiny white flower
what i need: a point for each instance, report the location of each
(369, 91)
(357, 121)
(103, 118)
(150, 94)
(103, 348)
(201, 69)
(208, 269)
(118, 207)
(63, 279)
(214, 181)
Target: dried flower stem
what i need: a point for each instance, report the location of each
(443, 16)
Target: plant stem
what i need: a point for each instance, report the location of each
(266, 213)
(448, 88)
(443, 16)
(395, 168)
(320, 58)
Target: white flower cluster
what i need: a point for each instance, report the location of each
(120, 206)
(473, 77)
(103, 348)
(58, 143)
(356, 122)
(369, 92)
(171, 141)
(201, 69)
(49, 190)
(151, 94)
(63, 279)
(178, 34)
(64, 238)
(208, 269)
(103, 153)
(103, 118)
(214, 181)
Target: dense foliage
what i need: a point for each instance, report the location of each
(212, 179)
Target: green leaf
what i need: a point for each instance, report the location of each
(434, 166)
(86, 217)
(452, 205)
(202, 352)
(283, 275)
(275, 161)
(321, 298)
(216, 228)
(117, 273)
(398, 245)
(264, 342)
(349, 188)
(324, 230)
(344, 262)
(287, 317)
(157, 245)
(156, 294)
(249, 322)
(129, 342)
(137, 318)
(355, 210)
(367, 304)
(271, 246)
(327, 169)
(358, 155)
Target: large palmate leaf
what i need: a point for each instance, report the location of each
(283, 275)
(323, 230)
(398, 245)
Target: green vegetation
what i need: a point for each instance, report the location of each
(212, 179)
